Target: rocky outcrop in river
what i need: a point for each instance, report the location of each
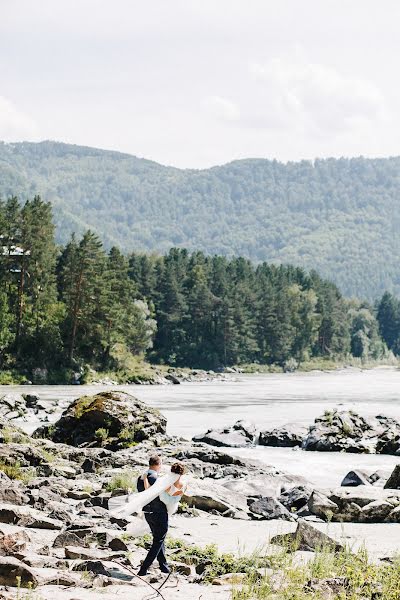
(339, 431)
(240, 435)
(109, 419)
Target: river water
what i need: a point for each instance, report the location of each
(267, 400)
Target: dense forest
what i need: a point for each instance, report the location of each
(67, 308)
(340, 217)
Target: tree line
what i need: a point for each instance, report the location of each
(80, 305)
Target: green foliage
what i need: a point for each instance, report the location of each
(214, 562)
(101, 434)
(361, 579)
(126, 480)
(69, 312)
(15, 471)
(11, 378)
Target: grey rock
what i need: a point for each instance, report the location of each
(394, 515)
(380, 477)
(13, 543)
(270, 508)
(376, 511)
(393, 483)
(81, 553)
(92, 566)
(355, 478)
(182, 568)
(288, 436)
(321, 506)
(12, 568)
(67, 538)
(309, 538)
(13, 494)
(210, 496)
(346, 431)
(363, 503)
(117, 545)
(295, 497)
(115, 411)
(240, 435)
(172, 379)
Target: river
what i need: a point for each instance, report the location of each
(267, 400)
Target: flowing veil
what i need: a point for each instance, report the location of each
(125, 506)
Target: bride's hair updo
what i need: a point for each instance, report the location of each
(178, 468)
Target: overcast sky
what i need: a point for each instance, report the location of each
(194, 83)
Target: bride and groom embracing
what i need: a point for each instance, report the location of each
(158, 498)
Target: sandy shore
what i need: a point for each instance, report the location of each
(246, 537)
(174, 590)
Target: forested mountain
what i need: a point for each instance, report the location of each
(340, 217)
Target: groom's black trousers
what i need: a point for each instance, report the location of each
(158, 523)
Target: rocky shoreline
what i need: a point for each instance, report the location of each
(55, 486)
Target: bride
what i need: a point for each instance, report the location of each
(172, 495)
(170, 488)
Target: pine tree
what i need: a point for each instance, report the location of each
(83, 294)
(38, 310)
(388, 316)
(171, 310)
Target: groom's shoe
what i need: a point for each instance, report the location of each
(142, 573)
(165, 569)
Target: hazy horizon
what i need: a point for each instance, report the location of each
(220, 164)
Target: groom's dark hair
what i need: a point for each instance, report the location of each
(154, 460)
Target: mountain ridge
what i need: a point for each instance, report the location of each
(339, 216)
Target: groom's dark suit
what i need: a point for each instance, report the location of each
(156, 515)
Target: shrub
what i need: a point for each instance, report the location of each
(123, 481)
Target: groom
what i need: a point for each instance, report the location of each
(156, 515)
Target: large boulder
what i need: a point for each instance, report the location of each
(240, 435)
(111, 419)
(13, 572)
(308, 538)
(288, 436)
(211, 497)
(268, 509)
(346, 431)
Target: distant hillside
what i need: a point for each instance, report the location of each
(341, 217)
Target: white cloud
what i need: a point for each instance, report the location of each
(222, 108)
(302, 97)
(318, 96)
(15, 124)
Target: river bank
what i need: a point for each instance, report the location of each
(56, 486)
(267, 400)
(141, 372)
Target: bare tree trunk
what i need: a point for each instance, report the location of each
(75, 313)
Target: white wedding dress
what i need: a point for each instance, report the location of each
(132, 504)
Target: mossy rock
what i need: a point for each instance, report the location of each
(126, 420)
